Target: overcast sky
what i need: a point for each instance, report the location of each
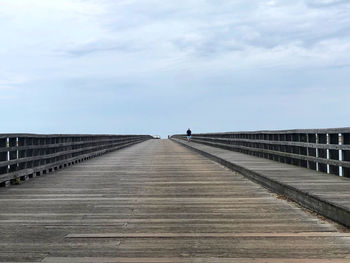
(159, 66)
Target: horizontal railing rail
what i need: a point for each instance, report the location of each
(323, 150)
(27, 155)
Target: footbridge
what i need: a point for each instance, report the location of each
(269, 196)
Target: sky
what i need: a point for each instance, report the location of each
(161, 66)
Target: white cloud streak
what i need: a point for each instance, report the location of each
(177, 34)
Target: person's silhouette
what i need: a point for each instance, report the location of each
(189, 134)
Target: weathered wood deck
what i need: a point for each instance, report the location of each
(325, 194)
(158, 202)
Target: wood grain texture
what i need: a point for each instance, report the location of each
(158, 202)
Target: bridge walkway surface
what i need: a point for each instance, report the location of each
(323, 193)
(158, 201)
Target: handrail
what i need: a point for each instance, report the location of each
(23, 155)
(323, 150)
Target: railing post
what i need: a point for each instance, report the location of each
(307, 151)
(328, 141)
(17, 154)
(8, 153)
(340, 153)
(317, 166)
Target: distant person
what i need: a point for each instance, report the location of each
(189, 134)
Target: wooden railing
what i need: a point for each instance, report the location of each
(324, 150)
(28, 155)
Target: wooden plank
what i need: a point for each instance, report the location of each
(189, 260)
(159, 202)
(299, 184)
(207, 235)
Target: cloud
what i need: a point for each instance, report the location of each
(161, 56)
(102, 45)
(10, 81)
(217, 29)
(326, 3)
(185, 30)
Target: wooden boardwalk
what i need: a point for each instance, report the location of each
(325, 194)
(159, 202)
